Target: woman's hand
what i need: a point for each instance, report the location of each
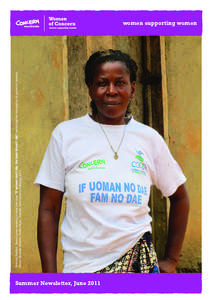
(178, 217)
(47, 227)
(167, 265)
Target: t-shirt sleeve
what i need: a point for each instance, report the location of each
(167, 174)
(52, 170)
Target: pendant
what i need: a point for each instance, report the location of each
(115, 155)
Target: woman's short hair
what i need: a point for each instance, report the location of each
(109, 55)
(100, 57)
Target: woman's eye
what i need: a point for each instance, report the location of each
(120, 82)
(102, 83)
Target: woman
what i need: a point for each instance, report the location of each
(105, 164)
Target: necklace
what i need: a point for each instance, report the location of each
(115, 152)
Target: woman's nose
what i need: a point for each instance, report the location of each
(111, 90)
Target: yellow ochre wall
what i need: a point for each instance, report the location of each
(39, 101)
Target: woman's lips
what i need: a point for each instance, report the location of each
(111, 103)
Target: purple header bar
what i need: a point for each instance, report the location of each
(84, 283)
(100, 23)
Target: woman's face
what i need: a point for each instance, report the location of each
(111, 91)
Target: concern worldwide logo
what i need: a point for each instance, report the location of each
(94, 164)
(33, 23)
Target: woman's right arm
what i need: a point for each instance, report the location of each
(47, 227)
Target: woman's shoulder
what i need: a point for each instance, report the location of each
(145, 130)
(69, 126)
(150, 137)
(76, 122)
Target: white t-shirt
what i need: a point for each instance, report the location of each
(107, 200)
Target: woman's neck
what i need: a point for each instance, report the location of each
(110, 121)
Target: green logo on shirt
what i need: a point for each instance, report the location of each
(94, 164)
(139, 166)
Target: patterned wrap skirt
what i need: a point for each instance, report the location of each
(141, 258)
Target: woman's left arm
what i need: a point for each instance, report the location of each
(178, 217)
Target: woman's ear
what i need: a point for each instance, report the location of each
(90, 91)
(132, 90)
